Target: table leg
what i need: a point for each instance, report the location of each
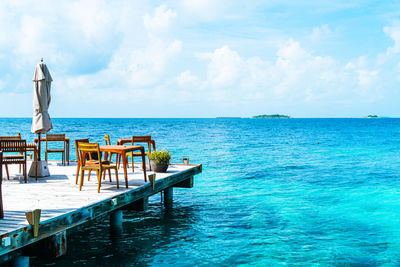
(68, 152)
(125, 170)
(144, 164)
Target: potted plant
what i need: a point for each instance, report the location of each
(159, 160)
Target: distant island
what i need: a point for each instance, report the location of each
(371, 116)
(273, 116)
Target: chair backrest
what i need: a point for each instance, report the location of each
(13, 146)
(55, 138)
(77, 141)
(107, 137)
(11, 137)
(144, 139)
(88, 148)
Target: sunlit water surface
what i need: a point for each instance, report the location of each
(272, 192)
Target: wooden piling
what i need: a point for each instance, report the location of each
(168, 197)
(116, 219)
(56, 245)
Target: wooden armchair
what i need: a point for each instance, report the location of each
(100, 166)
(18, 156)
(142, 139)
(55, 138)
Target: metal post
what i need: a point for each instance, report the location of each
(39, 148)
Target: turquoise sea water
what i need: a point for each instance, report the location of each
(272, 192)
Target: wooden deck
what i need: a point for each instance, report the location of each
(64, 206)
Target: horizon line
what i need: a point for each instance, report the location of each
(218, 117)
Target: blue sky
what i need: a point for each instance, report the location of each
(203, 58)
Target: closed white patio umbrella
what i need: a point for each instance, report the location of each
(41, 122)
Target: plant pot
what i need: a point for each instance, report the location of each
(158, 167)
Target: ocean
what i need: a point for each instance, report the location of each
(273, 192)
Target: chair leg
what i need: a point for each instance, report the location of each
(81, 181)
(45, 156)
(90, 171)
(8, 175)
(25, 178)
(133, 167)
(99, 181)
(19, 168)
(116, 176)
(104, 174)
(109, 174)
(77, 172)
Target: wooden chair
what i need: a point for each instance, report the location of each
(78, 167)
(142, 139)
(100, 167)
(55, 138)
(108, 143)
(12, 137)
(18, 156)
(90, 158)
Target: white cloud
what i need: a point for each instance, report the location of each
(33, 32)
(321, 33)
(367, 77)
(393, 32)
(86, 37)
(160, 21)
(224, 67)
(94, 19)
(295, 76)
(204, 10)
(187, 79)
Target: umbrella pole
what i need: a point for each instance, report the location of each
(39, 148)
(41, 166)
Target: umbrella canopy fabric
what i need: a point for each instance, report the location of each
(41, 122)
